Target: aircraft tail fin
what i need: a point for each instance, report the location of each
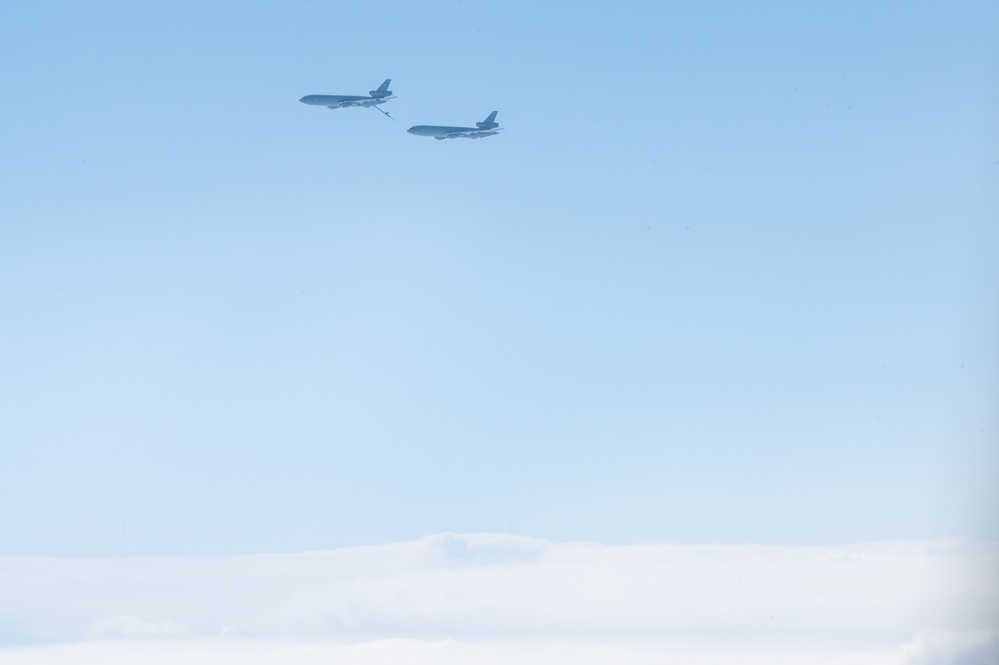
(382, 90)
(488, 123)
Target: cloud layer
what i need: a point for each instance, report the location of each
(470, 597)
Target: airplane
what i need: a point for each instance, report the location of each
(485, 128)
(379, 96)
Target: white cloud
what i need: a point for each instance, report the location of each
(128, 627)
(469, 598)
(955, 649)
(969, 648)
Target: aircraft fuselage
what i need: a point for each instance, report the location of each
(342, 101)
(444, 132)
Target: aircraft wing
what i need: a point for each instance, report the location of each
(365, 101)
(472, 134)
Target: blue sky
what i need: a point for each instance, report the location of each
(728, 275)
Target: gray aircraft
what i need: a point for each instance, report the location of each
(481, 130)
(379, 96)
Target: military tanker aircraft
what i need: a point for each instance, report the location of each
(487, 127)
(375, 97)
